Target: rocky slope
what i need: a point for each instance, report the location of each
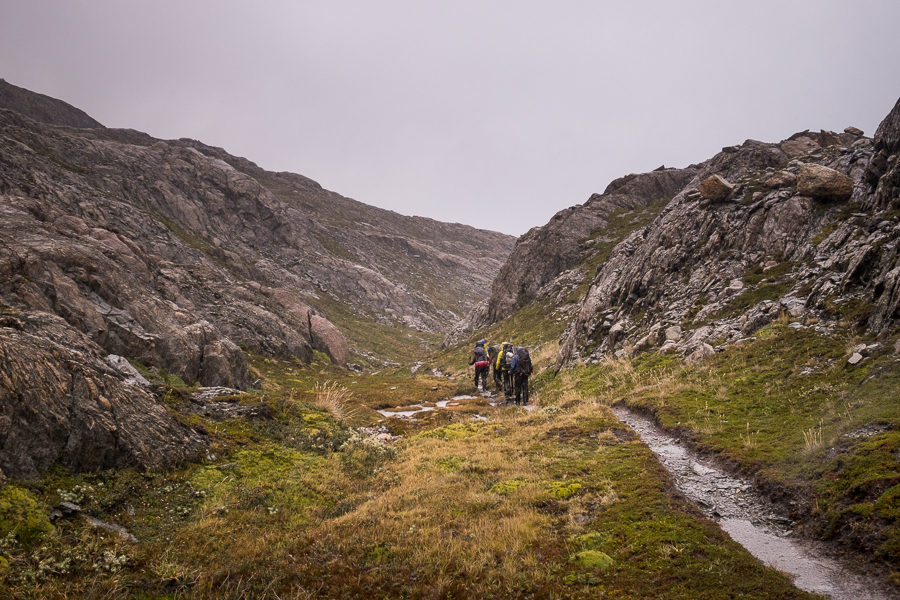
(808, 228)
(174, 253)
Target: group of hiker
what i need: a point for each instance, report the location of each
(510, 367)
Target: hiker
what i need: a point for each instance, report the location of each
(504, 357)
(493, 350)
(482, 364)
(520, 368)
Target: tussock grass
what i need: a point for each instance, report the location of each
(333, 399)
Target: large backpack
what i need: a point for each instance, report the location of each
(523, 361)
(505, 356)
(480, 354)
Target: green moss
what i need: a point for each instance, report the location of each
(592, 559)
(21, 515)
(563, 489)
(509, 486)
(591, 541)
(888, 504)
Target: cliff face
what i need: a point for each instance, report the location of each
(172, 253)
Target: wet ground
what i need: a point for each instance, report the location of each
(409, 412)
(750, 519)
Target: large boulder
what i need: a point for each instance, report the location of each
(328, 339)
(716, 188)
(823, 183)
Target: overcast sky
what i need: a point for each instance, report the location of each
(496, 114)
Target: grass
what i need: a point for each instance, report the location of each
(559, 502)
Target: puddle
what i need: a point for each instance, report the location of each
(750, 519)
(415, 409)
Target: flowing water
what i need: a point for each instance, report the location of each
(750, 519)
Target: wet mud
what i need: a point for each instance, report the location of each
(751, 520)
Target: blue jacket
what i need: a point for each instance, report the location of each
(512, 365)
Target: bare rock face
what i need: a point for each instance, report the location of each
(61, 402)
(180, 256)
(694, 266)
(823, 183)
(543, 253)
(716, 189)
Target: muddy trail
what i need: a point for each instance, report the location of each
(751, 520)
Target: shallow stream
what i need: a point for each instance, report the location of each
(750, 519)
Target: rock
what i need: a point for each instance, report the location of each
(328, 339)
(780, 179)
(615, 333)
(887, 136)
(170, 252)
(544, 253)
(716, 189)
(132, 376)
(799, 147)
(123, 533)
(701, 353)
(205, 394)
(61, 403)
(43, 108)
(855, 358)
(828, 138)
(823, 183)
(673, 334)
(854, 131)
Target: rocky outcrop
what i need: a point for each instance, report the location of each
(570, 238)
(883, 173)
(61, 402)
(806, 231)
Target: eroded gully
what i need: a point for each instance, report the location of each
(750, 519)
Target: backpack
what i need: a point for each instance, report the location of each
(492, 353)
(523, 361)
(480, 355)
(505, 356)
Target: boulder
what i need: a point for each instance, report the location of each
(673, 334)
(798, 147)
(716, 189)
(780, 179)
(328, 339)
(829, 138)
(854, 131)
(702, 352)
(823, 183)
